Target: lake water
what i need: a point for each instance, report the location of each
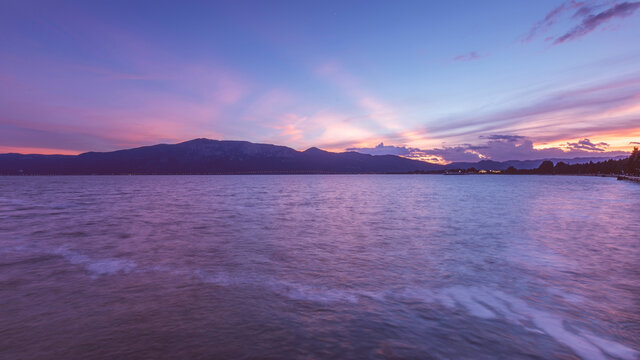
(319, 267)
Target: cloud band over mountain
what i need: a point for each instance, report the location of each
(498, 148)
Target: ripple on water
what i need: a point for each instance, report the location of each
(310, 266)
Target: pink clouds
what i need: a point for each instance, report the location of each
(562, 124)
(114, 109)
(301, 123)
(326, 129)
(118, 83)
(290, 128)
(211, 99)
(372, 113)
(498, 147)
(126, 92)
(583, 111)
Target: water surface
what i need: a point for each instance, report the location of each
(319, 267)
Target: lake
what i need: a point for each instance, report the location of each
(319, 267)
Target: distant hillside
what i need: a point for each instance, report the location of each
(204, 156)
(626, 166)
(525, 164)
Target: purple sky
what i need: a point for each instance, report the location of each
(435, 80)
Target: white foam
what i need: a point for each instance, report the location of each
(10, 249)
(466, 298)
(312, 293)
(498, 305)
(480, 302)
(219, 278)
(288, 289)
(13, 201)
(612, 348)
(487, 303)
(554, 327)
(96, 267)
(572, 298)
(587, 346)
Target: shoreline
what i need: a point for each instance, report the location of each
(635, 179)
(619, 177)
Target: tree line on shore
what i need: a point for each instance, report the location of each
(627, 166)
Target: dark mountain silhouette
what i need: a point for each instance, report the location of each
(204, 156)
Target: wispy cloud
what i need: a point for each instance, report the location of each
(551, 18)
(503, 137)
(470, 56)
(382, 149)
(589, 16)
(591, 22)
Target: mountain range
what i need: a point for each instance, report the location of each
(204, 156)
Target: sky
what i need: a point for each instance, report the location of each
(439, 81)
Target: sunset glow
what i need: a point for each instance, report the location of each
(103, 76)
(328, 179)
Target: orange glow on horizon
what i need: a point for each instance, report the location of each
(617, 141)
(38, 151)
(432, 159)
